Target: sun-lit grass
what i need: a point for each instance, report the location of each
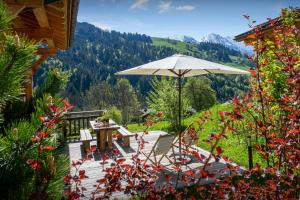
(235, 147)
(179, 46)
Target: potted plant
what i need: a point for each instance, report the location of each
(104, 119)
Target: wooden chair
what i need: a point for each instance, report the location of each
(188, 140)
(161, 147)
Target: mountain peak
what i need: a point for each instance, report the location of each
(184, 38)
(227, 42)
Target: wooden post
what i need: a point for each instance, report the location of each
(109, 138)
(102, 139)
(250, 156)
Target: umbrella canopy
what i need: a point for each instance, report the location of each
(181, 65)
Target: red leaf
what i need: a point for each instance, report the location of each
(67, 178)
(43, 134)
(121, 160)
(53, 108)
(101, 181)
(43, 148)
(168, 178)
(253, 72)
(82, 174)
(67, 105)
(204, 174)
(219, 150)
(256, 168)
(160, 114)
(222, 114)
(43, 119)
(34, 164)
(189, 173)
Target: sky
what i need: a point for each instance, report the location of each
(164, 18)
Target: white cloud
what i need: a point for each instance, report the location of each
(186, 8)
(139, 4)
(103, 26)
(164, 6)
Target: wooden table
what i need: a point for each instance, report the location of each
(104, 133)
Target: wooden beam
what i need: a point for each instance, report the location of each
(36, 33)
(52, 11)
(26, 3)
(48, 51)
(41, 16)
(15, 9)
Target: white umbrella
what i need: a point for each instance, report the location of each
(181, 66)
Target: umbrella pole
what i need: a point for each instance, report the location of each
(179, 111)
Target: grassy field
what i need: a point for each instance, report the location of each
(181, 47)
(234, 147)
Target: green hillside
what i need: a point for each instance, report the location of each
(179, 46)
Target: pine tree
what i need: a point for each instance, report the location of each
(16, 57)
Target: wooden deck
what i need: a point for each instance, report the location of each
(94, 170)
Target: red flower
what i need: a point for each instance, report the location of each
(34, 164)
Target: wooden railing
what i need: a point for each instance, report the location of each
(74, 121)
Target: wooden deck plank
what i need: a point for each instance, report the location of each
(95, 171)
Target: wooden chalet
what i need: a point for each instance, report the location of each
(50, 22)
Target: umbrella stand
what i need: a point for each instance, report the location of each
(179, 111)
(180, 75)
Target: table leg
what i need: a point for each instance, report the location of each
(102, 140)
(109, 138)
(98, 138)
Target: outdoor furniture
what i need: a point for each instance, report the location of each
(181, 66)
(104, 133)
(187, 139)
(161, 147)
(126, 134)
(85, 137)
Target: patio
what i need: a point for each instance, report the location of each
(94, 168)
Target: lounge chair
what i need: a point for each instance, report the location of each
(161, 147)
(188, 139)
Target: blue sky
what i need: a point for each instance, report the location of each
(163, 18)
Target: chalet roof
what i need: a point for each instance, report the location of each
(48, 21)
(266, 27)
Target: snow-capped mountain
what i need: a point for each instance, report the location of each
(184, 38)
(228, 42)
